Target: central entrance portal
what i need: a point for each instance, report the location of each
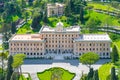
(59, 51)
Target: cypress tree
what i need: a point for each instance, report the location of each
(81, 14)
(96, 76)
(68, 9)
(114, 54)
(90, 74)
(13, 29)
(9, 68)
(113, 75)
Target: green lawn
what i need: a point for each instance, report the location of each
(25, 28)
(46, 75)
(1, 47)
(102, 6)
(104, 71)
(112, 21)
(54, 20)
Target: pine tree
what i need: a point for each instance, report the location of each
(96, 76)
(9, 68)
(114, 54)
(113, 75)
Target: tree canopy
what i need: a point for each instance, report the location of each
(114, 54)
(89, 58)
(9, 68)
(113, 74)
(18, 60)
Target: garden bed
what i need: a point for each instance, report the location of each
(55, 73)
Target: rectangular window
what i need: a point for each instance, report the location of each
(104, 44)
(37, 48)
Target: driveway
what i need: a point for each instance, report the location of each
(38, 65)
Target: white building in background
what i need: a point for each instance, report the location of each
(60, 40)
(56, 9)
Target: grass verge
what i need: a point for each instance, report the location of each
(65, 76)
(104, 71)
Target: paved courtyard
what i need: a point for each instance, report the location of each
(38, 65)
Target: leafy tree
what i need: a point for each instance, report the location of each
(92, 24)
(23, 3)
(90, 74)
(11, 9)
(37, 3)
(114, 37)
(9, 68)
(36, 22)
(30, 2)
(96, 76)
(72, 5)
(77, 6)
(37, 18)
(54, 1)
(26, 16)
(113, 74)
(3, 56)
(6, 37)
(5, 28)
(88, 8)
(56, 74)
(114, 54)
(45, 18)
(18, 60)
(89, 58)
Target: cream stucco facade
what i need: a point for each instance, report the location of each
(60, 40)
(56, 9)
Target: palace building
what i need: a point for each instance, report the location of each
(60, 40)
(56, 9)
